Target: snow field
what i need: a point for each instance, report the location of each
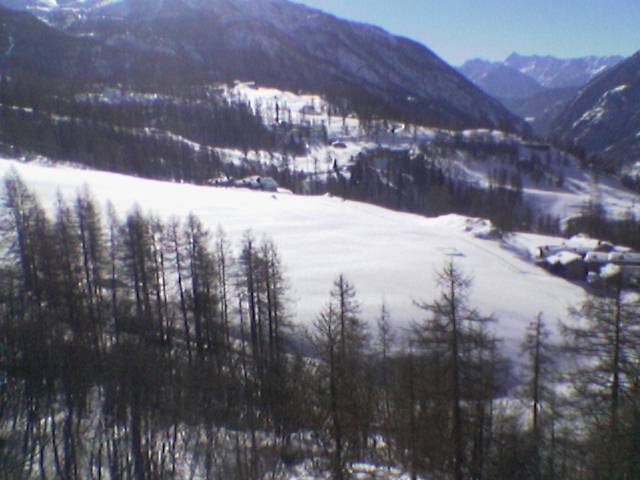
(389, 256)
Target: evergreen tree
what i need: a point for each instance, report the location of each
(603, 343)
(455, 333)
(538, 386)
(341, 339)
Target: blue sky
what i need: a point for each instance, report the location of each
(461, 29)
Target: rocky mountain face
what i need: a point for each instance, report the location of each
(604, 119)
(273, 42)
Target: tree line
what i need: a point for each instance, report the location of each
(146, 349)
(421, 184)
(163, 137)
(592, 219)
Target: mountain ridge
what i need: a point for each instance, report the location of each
(536, 87)
(555, 72)
(547, 71)
(604, 118)
(287, 45)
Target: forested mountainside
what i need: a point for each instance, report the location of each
(542, 109)
(604, 119)
(272, 42)
(30, 47)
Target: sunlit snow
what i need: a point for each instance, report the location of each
(389, 256)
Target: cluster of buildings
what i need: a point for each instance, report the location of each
(596, 261)
(254, 182)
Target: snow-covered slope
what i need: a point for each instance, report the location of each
(562, 201)
(605, 117)
(389, 256)
(337, 141)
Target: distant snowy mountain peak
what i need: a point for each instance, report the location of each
(544, 71)
(536, 87)
(553, 72)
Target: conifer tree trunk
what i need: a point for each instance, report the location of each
(183, 304)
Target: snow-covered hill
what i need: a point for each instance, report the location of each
(348, 139)
(558, 186)
(389, 256)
